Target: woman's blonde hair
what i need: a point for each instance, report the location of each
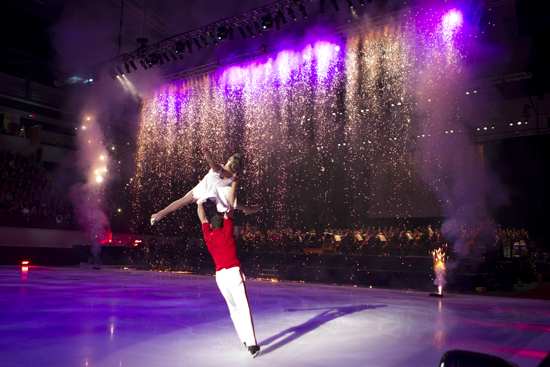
(235, 162)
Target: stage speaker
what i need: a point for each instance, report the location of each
(465, 358)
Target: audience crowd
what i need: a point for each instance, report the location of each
(390, 241)
(500, 246)
(29, 195)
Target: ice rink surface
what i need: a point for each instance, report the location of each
(72, 317)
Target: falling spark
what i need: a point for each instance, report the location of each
(301, 118)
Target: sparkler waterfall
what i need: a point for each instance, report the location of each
(322, 128)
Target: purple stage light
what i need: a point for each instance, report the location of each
(452, 20)
(324, 54)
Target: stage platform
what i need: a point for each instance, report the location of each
(71, 316)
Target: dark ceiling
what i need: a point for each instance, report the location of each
(43, 40)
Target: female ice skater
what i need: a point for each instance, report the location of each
(216, 186)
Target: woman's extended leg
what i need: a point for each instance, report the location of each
(186, 200)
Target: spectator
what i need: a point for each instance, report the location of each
(240, 241)
(25, 210)
(540, 265)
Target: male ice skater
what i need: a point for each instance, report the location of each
(221, 246)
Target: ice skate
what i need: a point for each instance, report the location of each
(254, 350)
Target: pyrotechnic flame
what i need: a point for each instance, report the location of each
(439, 268)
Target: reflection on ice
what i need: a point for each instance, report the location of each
(111, 317)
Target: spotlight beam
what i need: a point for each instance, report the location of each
(213, 38)
(241, 31)
(277, 22)
(250, 31)
(204, 42)
(281, 16)
(197, 43)
(291, 13)
(113, 73)
(302, 9)
(173, 56)
(258, 28)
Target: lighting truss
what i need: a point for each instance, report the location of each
(241, 21)
(341, 32)
(511, 134)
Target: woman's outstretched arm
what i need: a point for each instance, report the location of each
(208, 156)
(248, 209)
